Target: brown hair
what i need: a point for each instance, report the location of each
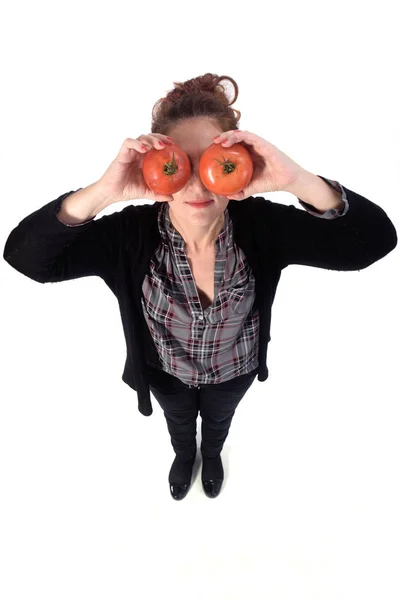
(201, 96)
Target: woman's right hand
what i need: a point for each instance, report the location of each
(123, 179)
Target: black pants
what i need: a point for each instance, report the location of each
(181, 403)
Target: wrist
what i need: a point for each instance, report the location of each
(301, 183)
(313, 190)
(104, 196)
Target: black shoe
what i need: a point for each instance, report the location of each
(212, 487)
(180, 477)
(212, 476)
(179, 490)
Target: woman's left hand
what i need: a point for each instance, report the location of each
(273, 170)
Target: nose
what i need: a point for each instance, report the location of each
(195, 185)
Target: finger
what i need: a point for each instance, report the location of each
(167, 138)
(229, 137)
(162, 138)
(154, 141)
(135, 144)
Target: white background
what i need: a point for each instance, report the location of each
(309, 507)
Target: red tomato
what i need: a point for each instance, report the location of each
(166, 171)
(226, 171)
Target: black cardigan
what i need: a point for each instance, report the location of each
(119, 246)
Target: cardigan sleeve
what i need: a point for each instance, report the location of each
(362, 235)
(333, 213)
(44, 249)
(77, 224)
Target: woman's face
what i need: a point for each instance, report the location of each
(194, 136)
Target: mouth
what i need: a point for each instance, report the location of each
(200, 203)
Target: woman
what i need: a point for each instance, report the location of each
(196, 301)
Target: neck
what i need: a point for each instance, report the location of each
(199, 242)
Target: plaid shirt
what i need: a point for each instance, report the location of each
(213, 345)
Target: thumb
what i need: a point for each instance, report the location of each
(238, 196)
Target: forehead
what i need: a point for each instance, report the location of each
(194, 135)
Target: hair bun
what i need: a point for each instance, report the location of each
(202, 96)
(208, 83)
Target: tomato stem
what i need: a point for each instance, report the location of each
(228, 165)
(170, 168)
